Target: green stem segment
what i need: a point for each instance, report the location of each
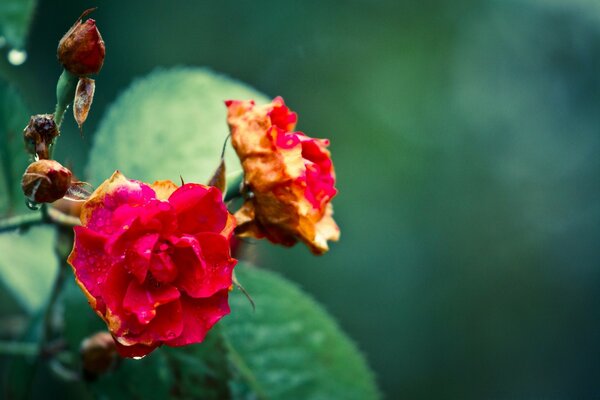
(234, 185)
(65, 93)
(21, 221)
(19, 348)
(63, 245)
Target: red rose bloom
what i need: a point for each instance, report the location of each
(290, 175)
(154, 261)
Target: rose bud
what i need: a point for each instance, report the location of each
(45, 181)
(39, 134)
(81, 50)
(98, 354)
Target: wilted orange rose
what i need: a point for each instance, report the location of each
(289, 174)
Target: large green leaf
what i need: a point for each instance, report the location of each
(169, 124)
(201, 371)
(15, 16)
(289, 348)
(28, 265)
(13, 158)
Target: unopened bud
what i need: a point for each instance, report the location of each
(39, 134)
(98, 354)
(45, 181)
(81, 50)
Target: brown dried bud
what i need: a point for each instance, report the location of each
(81, 50)
(84, 96)
(45, 181)
(98, 354)
(39, 134)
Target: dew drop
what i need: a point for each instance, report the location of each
(138, 358)
(32, 205)
(17, 57)
(2, 41)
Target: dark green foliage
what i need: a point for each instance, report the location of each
(13, 158)
(15, 16)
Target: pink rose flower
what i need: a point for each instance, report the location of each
(154, 261)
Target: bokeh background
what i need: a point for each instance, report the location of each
(466, 137)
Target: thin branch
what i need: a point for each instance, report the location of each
(21, 221)
(19, 348)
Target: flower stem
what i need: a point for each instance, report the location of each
(18, 348)
(63, 241)
(65, 92)
(21, 221)
(234, 185)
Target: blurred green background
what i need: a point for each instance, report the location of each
(466, 138)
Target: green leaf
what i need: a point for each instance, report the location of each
(202, 370)
(169, 124)
(15, 16)
(13, 158)
(28, 265)
(289, 348)
(149, 378)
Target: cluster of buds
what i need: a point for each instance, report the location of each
(81, 52)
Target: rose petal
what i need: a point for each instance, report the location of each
(218, 263)
(187, 254)
(209, 265)
(281, 116)
(190, 200)
(135, 350)
(143, 300)
(89, 260)
(199, 315)
(138, 256)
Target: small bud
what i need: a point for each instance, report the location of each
(98, 354)
(39, 135)
(45, 181)
(84, 96)
(81, 50)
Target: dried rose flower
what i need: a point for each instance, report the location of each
(81, 50)
(45, 181)
(154, 261)
(290, 176)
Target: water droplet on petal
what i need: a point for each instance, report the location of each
(138, 358)
(17, 57)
